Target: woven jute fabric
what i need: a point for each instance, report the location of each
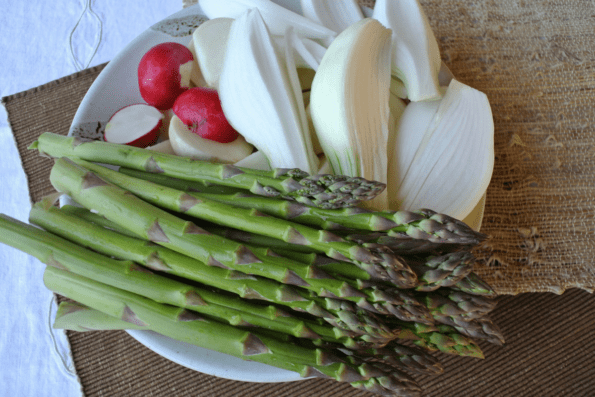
(534, 61)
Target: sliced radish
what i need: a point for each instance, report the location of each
(164, 73)
(200, 109)
(187, 144)
(135, 125)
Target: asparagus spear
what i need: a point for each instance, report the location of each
(474, 285)
(77, 317)
(158, 226)
(382, 266)
(73, 316)
(318, 190)
(452, 269)
(406, 357)
(448, 340)
(127, 275)
(451, 303)
(100, 239)
(191, 328)
(416, 229)
(109, 242)
(441, 271)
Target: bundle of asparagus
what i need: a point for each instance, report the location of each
(203, 260)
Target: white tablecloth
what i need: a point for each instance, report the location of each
(37, 47)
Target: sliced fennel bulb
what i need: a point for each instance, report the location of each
(335, 15)
(416, 56)
(349, 102)
(443, 153)
(257, 92)
(277, 18)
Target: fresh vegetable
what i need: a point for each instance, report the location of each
(319, 190)
(415, 227)
(136, 125)
(335, 15)
(199, 108)
(210, 44)
(349, 103)
(415, 54)
(261, 96)
(435, 144)
(188, 327)
(77, 317)
(188, 144)
(162, 147)
(164, 73)
(187, 238)
(382, 266)
(277, 18)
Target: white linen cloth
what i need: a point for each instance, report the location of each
(37, 47)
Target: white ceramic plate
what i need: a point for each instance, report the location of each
(116, 87)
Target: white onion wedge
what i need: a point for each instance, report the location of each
(416, 56)
(277, 18)
(349, 102)
(444, 153)
(258, 98)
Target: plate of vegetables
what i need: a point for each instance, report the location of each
(268, 170)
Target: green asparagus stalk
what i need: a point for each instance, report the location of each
(474, 285)
(386, 267)
(419, 229)
(432, 271)
(457, 304)
(155, 257)
(482, 328)
(73, 316)
(441, 271)
(318, 190)
(77, 317)
(189, 327)
(158, 226)
(260, 262)
(127, 275)
(409, 358)
(448, 340)
(398, 303)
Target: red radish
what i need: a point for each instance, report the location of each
(135, 125)
(200, 109)
(164, 73)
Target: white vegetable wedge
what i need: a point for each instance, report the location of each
(210, 43)
(416, 56)
(335, 15)
(259, 97)
(162, 147)
(196, 77)
(349, 102)
(277, 18)
(256, 161)
(187, 144)
(444, 153)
